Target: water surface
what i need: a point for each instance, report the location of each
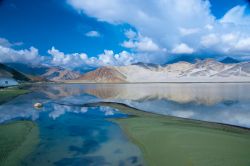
(71, 134)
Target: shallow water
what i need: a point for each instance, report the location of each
(73, 135)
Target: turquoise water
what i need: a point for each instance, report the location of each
(71, 134)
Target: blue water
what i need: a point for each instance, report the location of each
(74, 135)
(81, 136)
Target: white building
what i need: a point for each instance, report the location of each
(5, 82)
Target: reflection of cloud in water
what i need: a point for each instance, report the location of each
(9, 112)
(237, 114)
(72, 135)
(76, 139)
(108, 111)
(224, 103)
(184, 114)
(59, 110)
(21, 107)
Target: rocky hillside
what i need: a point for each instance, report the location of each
(59, 74)
(104, 74)
(8, 72)
(44, 73)
(207, 70)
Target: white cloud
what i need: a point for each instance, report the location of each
(74, 60)
(109, 58)
(93, 34)
(210, 40)
(67, 60)
(243, 45)
(8, 54)
(144, 48)
(157, 20)
(160, 25)
(166, 23)
(131, 34)
(183, 49)
(58, 58)
(6, 43)
(188, 31)
(209, 27)
(236, 16)
(229, 38)
(139, 42)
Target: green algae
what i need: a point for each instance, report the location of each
(17, 140)
(180, 142)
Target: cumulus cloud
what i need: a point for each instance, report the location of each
(74, 60)
(160, 28)
(167, 23)
(139, 43)
(67, 60)
(243, 45)
(182, 49)
(108, 58)
(9, 54)
(210, 40)
(162, 25)
(59, 58)
(237, 16)
(93, 34)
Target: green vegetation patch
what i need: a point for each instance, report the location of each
(179, 142)
(7, 94)
(17, 140)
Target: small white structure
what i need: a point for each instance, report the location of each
(6, 82)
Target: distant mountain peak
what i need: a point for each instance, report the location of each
(146, 65)
(104, 74)
(183, 58)
(229, 60)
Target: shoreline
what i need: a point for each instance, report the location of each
(18, 140)
(233, 82)
(175, 141)
(8, 94)
(138, 112)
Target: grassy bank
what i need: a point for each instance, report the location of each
(180, 142)
(7, 94)
(17, 140)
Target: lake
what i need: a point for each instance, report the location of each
(127, 124)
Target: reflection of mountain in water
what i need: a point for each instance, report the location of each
(224, 103)
(207, 94)
(56, 91)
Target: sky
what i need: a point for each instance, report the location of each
(94, 33)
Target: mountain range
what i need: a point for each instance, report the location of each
(208, 70)
(36, 73)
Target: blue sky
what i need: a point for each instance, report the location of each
(78, 33)
(53, 23)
